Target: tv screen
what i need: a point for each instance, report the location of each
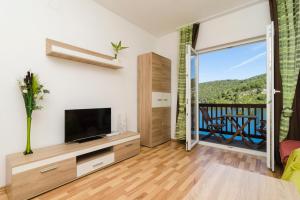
(84, 124)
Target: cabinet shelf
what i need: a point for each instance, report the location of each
(93, 155)
(73, 53)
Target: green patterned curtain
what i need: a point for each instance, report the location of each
(289, 55)
(185, 39)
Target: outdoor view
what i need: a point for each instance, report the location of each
(233, 75)
(232, 84)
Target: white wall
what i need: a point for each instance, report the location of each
(239, 25)
(168, 46)
(243, 24)
(24, 27)
(26, 24)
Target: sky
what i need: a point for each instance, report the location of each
(240, 62)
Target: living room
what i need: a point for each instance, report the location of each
(116, 75)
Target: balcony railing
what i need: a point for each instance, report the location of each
(218, 110)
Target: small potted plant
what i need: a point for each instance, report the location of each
(117, 47)
(32, 92)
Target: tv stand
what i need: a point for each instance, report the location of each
(54, 166)
(90, 139)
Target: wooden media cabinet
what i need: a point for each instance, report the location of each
(50, 167)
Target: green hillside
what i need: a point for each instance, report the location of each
(250, 91)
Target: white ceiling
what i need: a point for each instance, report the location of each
(160, 17)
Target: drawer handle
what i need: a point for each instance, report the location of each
(48, 169)
(98, 164)
(165, 99)
(159, 99)
(128, 145)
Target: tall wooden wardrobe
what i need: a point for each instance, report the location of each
(154, 99)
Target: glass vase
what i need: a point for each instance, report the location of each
(28, 145)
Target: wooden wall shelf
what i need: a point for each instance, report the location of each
(73, 53)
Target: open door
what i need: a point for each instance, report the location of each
(192, 110)
(270, 97)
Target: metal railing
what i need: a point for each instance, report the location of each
(218, 110)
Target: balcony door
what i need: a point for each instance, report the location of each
(270, 97)
(192, 127)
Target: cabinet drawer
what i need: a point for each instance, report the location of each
(36, 181)
(95, 164)
(127, 150)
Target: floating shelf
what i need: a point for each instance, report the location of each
(70, 52)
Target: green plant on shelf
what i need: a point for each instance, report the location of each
(117, 47)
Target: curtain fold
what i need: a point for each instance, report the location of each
(294, 130)
(289, 55)
(196, 27)
(185, 39)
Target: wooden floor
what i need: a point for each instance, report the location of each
(239, 184)
(164, 172)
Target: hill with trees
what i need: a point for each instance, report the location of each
(248, 91)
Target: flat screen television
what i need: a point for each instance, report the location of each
(87, 124)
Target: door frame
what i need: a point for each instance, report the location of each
(252, 152)
(189, 142)
(270, 97)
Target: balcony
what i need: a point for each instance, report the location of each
(234, 117)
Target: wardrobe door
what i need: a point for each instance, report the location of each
(161, 99)
(157, 126)
(161, 74)
(144, 88)
(166, 124)
(160, 125)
